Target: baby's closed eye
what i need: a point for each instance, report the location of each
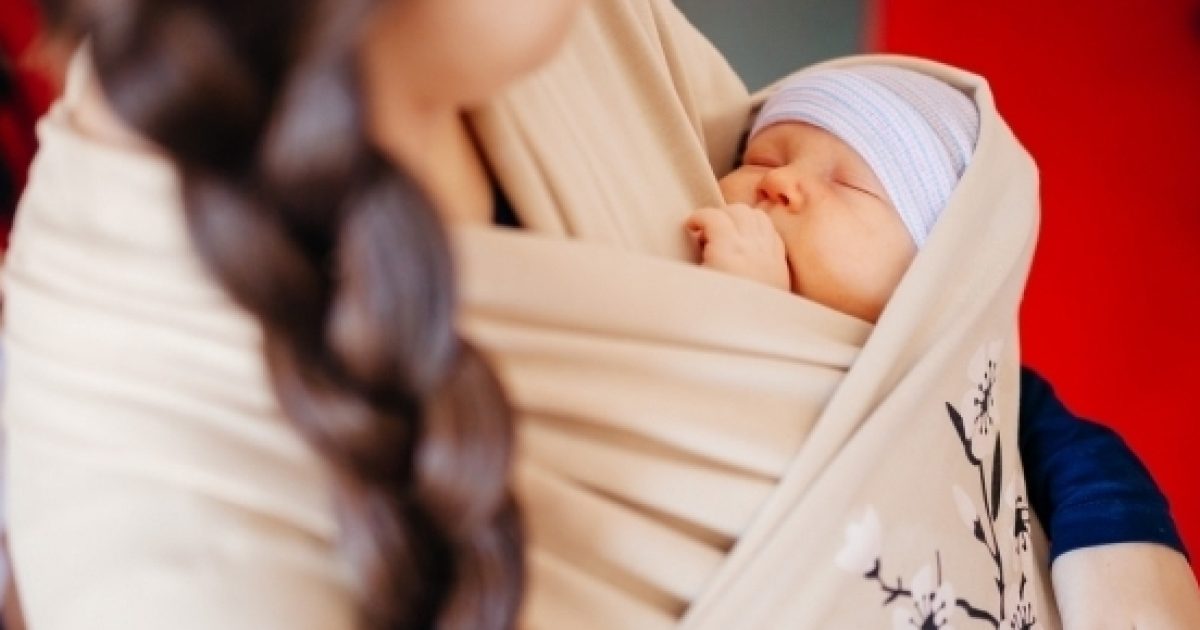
(853, 186)
(856, 184)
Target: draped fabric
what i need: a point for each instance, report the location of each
(653, 423)
(698, 448)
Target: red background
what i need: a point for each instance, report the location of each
(18, 26)
(1106, 95)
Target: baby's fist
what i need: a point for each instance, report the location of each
(741, 240)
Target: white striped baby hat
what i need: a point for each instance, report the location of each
(916, 132)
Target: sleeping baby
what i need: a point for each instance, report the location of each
(844, 175)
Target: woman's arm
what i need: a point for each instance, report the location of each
(1085, 484)
(1138, 586)
(1117, 558)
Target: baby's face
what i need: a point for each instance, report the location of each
(846, 245)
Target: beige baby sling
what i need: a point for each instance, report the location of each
(696, 450)
(703, 450)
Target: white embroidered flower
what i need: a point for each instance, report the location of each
(980, 414)
(966, 509)
(1022, 617)
(860, 551)
(1014, 499)
(932, 604)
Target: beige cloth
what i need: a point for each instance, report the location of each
(693, 446)
(697, 446)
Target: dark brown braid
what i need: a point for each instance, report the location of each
(344, 262)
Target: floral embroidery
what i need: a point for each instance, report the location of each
(932, 601)
(978, 404)
(1020, 507)
(860, 552)
(1022, 618)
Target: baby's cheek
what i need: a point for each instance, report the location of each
(739, 187)
(791, 230)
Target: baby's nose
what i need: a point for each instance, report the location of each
(779, 188)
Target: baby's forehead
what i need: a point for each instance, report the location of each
(794, 140)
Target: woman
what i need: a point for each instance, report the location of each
(233, 110)
(273, 125)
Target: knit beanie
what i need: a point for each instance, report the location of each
(917, 133)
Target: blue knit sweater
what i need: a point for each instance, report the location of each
(1085, 484)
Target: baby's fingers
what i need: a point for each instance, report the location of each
(750, 221)
(708, 224)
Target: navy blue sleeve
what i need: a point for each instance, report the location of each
(1085, 484)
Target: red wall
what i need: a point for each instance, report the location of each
(1106, 95)
(18, 26)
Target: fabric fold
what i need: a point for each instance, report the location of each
(632, 367)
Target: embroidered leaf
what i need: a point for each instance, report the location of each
(874, 571)
(961, 429)
(979, 535)
(997, 477)
(896, 592)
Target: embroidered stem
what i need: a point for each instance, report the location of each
(893, 592)
(995, 552)
(977, 613)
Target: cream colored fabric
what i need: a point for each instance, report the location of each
(697, 446)
(654, 422)
(153, 482)
(625, 127)
(693, 446)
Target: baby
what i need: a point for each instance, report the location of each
(844, 175)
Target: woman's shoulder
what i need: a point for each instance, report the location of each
(83, 129)
(140, 389)
(85, 110)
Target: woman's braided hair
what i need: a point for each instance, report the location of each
(346, 266)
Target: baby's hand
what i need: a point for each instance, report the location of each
(741, 240)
